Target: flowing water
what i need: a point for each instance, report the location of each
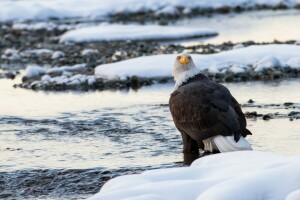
(258, 26)
(65, 145)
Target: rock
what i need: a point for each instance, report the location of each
(267, 116)
(251, 114)
(293, 113)
(250, 101)
(288, 103)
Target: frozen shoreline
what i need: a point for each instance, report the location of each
(116, 10)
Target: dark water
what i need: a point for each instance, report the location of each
(66, 145)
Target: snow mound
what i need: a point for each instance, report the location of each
(256, 57)
(236, 175)
(106, 32)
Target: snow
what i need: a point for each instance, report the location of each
(87, 52)
(294, 63)
(237, 60)
(236, 175)
(266, 63)
(105, 32)
(10, 54)
(98, 9)
(57, 54)
(36, 52)
(35, 26)
(237, 46)
(32, 71)
(77, 67)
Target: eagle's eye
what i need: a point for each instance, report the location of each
(178, 57)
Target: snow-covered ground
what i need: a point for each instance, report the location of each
(107, 32)
(237, 175)
(255, 58)
(92, 9)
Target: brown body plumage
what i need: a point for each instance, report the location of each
(202, 108)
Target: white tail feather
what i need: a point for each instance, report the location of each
(227, 144)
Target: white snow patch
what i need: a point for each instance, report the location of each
(11, 54)
(36, 52)
(237, 68)
(263, 56)
(266, 63)
(225, 176)
(87, 52)
(294, 63)
(34, 26)
(167, 10)
(57, 54)
(32, 71)
(77, 67)
(106, 32)
(46, 78)
(238, 46)
(297, 42)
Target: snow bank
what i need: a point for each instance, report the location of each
(236, 175)
(91, 9)
(131, 32)
(256, 57)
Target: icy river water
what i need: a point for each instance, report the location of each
(65, 145)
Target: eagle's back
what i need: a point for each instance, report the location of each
(202, 108)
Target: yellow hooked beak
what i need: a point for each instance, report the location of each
(184, 60)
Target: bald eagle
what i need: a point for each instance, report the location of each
(205, 113)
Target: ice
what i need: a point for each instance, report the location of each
(106, 32)
(236, 175)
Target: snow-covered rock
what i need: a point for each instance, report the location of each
(57, 55)
(77, 67)
(37, 52)
(33, 71)
(237, 60)
(294, 63)
(237, 175)
(238, 46)
(11, 54)
(106, 32)
(87, 52)
(266, 63)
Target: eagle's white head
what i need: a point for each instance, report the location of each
(184, 68)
